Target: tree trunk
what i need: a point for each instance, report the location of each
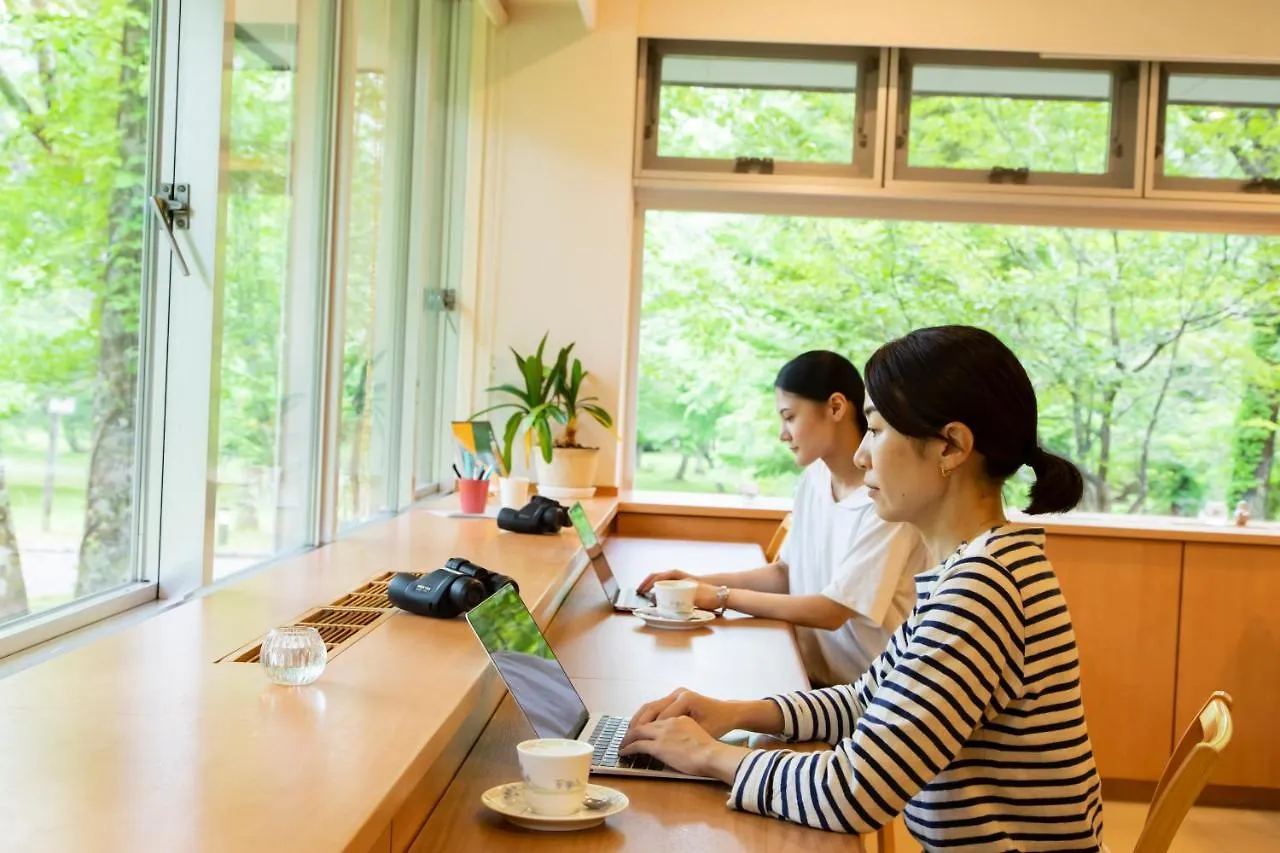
(1254, 443)
(13, 589)
(684, 466)
(106, 550)
(1106, 413)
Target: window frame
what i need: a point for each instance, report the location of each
(1160, 185)
(867, 166)
(1129, 87)
(444, 135)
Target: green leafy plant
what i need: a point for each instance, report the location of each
(551, 393)
(569, 391)
(535, 404)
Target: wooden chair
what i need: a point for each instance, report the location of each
(885, 842)
(1186, 774)
(774, 547)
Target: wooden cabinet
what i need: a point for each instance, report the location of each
(1123, 596)
(1230, 640)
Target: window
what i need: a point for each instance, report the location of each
(267, 391)
(1012, 119)
(377, 123)
(77, 146)
(757, 108)
(189, 391)
(439, 257)
(1154, 354)
(1219, 129)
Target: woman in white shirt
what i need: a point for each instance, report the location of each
(844, 577)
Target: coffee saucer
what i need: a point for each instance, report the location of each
(653, 619)
(508, 801)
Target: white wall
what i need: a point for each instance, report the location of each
(556, 236)
(557, 230)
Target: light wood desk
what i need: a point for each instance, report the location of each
(617, 664)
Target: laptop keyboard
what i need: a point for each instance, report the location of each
(607, 737)
(629, 599)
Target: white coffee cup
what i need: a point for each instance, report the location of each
(675, 598)
(513, 492)
(555, 774)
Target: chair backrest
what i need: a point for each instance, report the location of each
(1186, 774)
(779, 536)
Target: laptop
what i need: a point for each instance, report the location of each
(625, 600)
(542, 690)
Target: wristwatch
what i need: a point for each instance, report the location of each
(722, 599)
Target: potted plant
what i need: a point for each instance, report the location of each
(551, 394)
(571, 470)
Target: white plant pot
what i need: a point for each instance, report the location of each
(571, 473)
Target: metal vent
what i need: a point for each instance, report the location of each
(340, 624)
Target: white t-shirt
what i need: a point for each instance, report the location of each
(847, 553)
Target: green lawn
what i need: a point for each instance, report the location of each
(24, 467)
(657, 472)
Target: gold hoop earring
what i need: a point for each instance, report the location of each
(944, 471)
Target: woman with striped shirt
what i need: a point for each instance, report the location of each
(971, 721)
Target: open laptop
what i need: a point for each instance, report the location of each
(622, 599)
(543, 691)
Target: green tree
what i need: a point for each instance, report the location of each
(106, 549)
(1254, 442)
(73, 148)
(13, 587)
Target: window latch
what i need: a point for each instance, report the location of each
(172, 207)
(442, 300)
(753, 165)
(1263, 185)
(1006, 175)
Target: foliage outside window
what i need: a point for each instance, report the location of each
(1154, 354)
(804, 110)
(74, 148)
(1222, 127)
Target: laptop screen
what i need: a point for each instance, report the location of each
(528, 666)
(578, 516)
(599, 564)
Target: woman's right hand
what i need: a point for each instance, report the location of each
(715, 716)
(672, 575)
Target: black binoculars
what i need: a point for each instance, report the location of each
(447, 592)
(539, 515)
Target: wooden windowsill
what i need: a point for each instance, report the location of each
(703, 505)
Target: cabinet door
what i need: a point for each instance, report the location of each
(1231, 641)
(1123, 597)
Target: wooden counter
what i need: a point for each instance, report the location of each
(722, 517)
(617, 664)
(141, 742)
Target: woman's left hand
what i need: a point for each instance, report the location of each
(683, 745)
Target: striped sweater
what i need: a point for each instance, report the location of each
(971, 720)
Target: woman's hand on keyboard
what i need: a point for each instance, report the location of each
(672, 575)
(683, 745)
(714, 716)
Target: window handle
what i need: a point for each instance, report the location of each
(171, 209)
